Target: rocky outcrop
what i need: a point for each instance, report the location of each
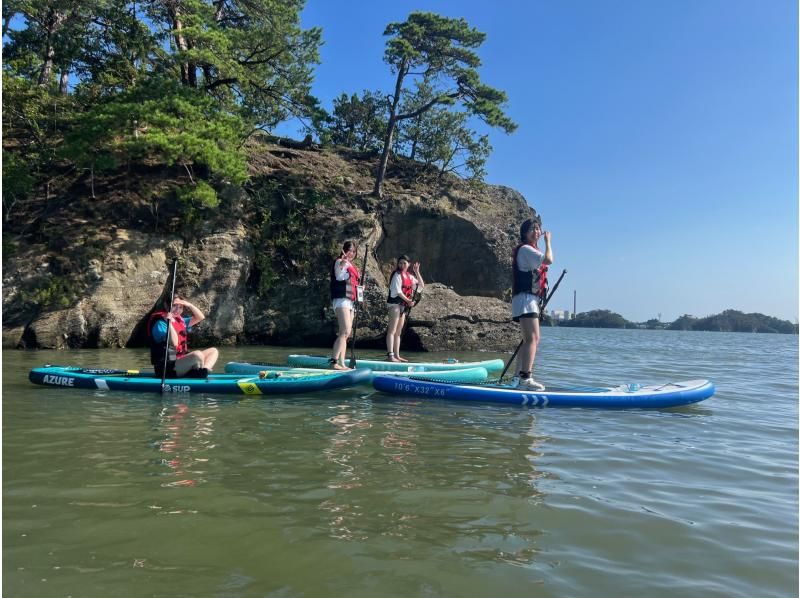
(128, 280)
(258, 265)
(464, 244)
(446, 321)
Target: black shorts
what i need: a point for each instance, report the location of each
(525, 316)
(159, 370)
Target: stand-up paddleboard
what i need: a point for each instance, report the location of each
(319, 361)
(671, 394)
(274, 382)
(461, 376)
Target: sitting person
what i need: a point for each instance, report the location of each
(180, 361)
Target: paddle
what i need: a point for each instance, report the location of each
(171, 299)
(541, 314)
(407, 310)
(363, 282)
(105, 373)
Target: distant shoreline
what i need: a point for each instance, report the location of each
(729, 320)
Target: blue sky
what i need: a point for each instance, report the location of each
(657, 139)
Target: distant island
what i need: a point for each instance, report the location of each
(729, 320)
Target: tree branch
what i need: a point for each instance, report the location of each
(218, 82)
(425, 107)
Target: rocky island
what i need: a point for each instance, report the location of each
(83, 271)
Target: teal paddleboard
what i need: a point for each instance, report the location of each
(319, 361)
(274, 382)
(464, 376)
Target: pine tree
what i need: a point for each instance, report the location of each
(441, 49)
(183, 82)
(358, 122)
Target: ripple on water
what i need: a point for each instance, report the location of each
(363, 494)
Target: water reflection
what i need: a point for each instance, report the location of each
(432, 499)
(185, 434)
(435, 476)
(351, 424)
(401, 436)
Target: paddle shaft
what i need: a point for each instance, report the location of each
(407, 311)
(541, 313)
(359, 308)
(166, 349)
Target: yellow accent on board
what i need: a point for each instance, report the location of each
(249, 388)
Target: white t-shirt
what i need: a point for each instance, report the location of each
(396, 285)
(340, 269)
(528, 260)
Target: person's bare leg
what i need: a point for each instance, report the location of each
(390, 331)
(391, 335)
(401, 321)
(344, 319)
(531, 336)
(210, 357)
(527, 351)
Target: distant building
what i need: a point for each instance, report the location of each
(560, 314)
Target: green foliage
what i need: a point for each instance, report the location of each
(17, 181)
(728, 321)
(34, 121)
(685, 322)
(284, 243)
(176, 83)
(442, 51)
(57, 292)
(264, 256)
(119, 49)
(200, 193)
(358, 122)
(51, 41)
(441, 138)
(10, 246)
(732, 320)
(598, 318)
(163, 121)
(252, 57)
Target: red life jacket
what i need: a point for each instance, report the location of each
(528, 282)
(344, 289)
(157, 349)
(406, 284)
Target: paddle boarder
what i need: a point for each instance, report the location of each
(403, 287)
(181, 362)
(344, 291)
(528, 289)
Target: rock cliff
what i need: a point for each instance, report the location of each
(83, 272)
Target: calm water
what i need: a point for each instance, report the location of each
(359, 494)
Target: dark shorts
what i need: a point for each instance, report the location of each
(171, 373)
(525, 316)
(159, 370)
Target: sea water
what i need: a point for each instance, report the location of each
(355, 493)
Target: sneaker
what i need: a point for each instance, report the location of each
(514, 382)
(530, 384)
